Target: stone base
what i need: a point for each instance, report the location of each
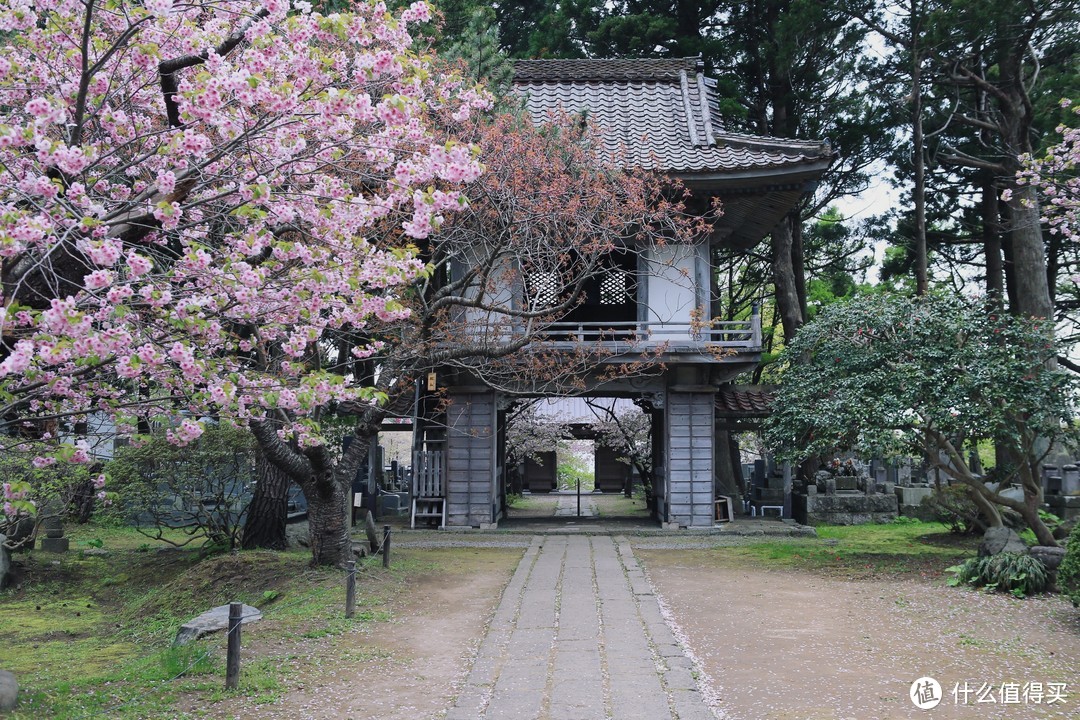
(1064, 506)
(919, 512)
(912, 496)
(49, 544)
(670, 526)
(844, 509)
(489, 526)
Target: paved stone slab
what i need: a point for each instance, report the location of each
(568, 506)
(578, 635)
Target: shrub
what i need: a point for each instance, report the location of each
(200, 489)
(1017, 573)
(1068, 575)
(952, 506)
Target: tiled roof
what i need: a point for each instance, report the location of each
(602, 70)
(744, 400)
(658, 115)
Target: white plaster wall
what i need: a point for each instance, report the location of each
(498, 294)
(670, 274)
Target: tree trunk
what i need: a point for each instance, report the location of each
(798, 267)
(327, 485)
(991, 230)
(264, 526)
(922, 282)
(787, 299)
(1028, 255)
(329, 522)
(1031, 481)
(330, 499)
(82, 501)
(988, 510)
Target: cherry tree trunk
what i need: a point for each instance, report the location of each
(264, 526)
(328, 518)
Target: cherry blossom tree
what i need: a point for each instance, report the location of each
(546, 205)
(1054, 174)
(629, 432)
(194, 196)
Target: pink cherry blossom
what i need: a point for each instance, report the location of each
(254, 206)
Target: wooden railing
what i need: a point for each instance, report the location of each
(428, 474)
(734, 334)
(646, 334)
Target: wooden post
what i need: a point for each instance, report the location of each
(232, 658)
(787, 491)
(386, 546)
(369, 530)
(350, 589)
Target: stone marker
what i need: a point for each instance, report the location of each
(1000, 539)
(212, 621)
(54, 540)
(9, 691)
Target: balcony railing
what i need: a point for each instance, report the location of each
(676, 337)
(734, 334)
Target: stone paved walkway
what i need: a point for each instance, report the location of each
(568, 506)
(578, 635)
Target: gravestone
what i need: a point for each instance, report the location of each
(54, 540)
(912, 496)
(1070, 480)
(845, 500)
(903, 472)
(847, 482)
(21, 534)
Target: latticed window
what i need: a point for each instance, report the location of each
(613, 287)
(544, 289)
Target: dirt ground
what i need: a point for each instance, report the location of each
(770, 644)
(777, 644)
(405, 669)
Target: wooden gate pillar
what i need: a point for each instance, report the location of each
(690, 421)
(471, 458)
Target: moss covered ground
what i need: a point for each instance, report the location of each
(88, 633)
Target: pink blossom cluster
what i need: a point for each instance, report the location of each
(184, 257)
(1054, 175)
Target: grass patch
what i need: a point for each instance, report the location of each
(89, 635)
(618, 505)
(524, 502)
(889, 549)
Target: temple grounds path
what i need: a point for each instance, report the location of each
(787, 643)
(621, 626)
